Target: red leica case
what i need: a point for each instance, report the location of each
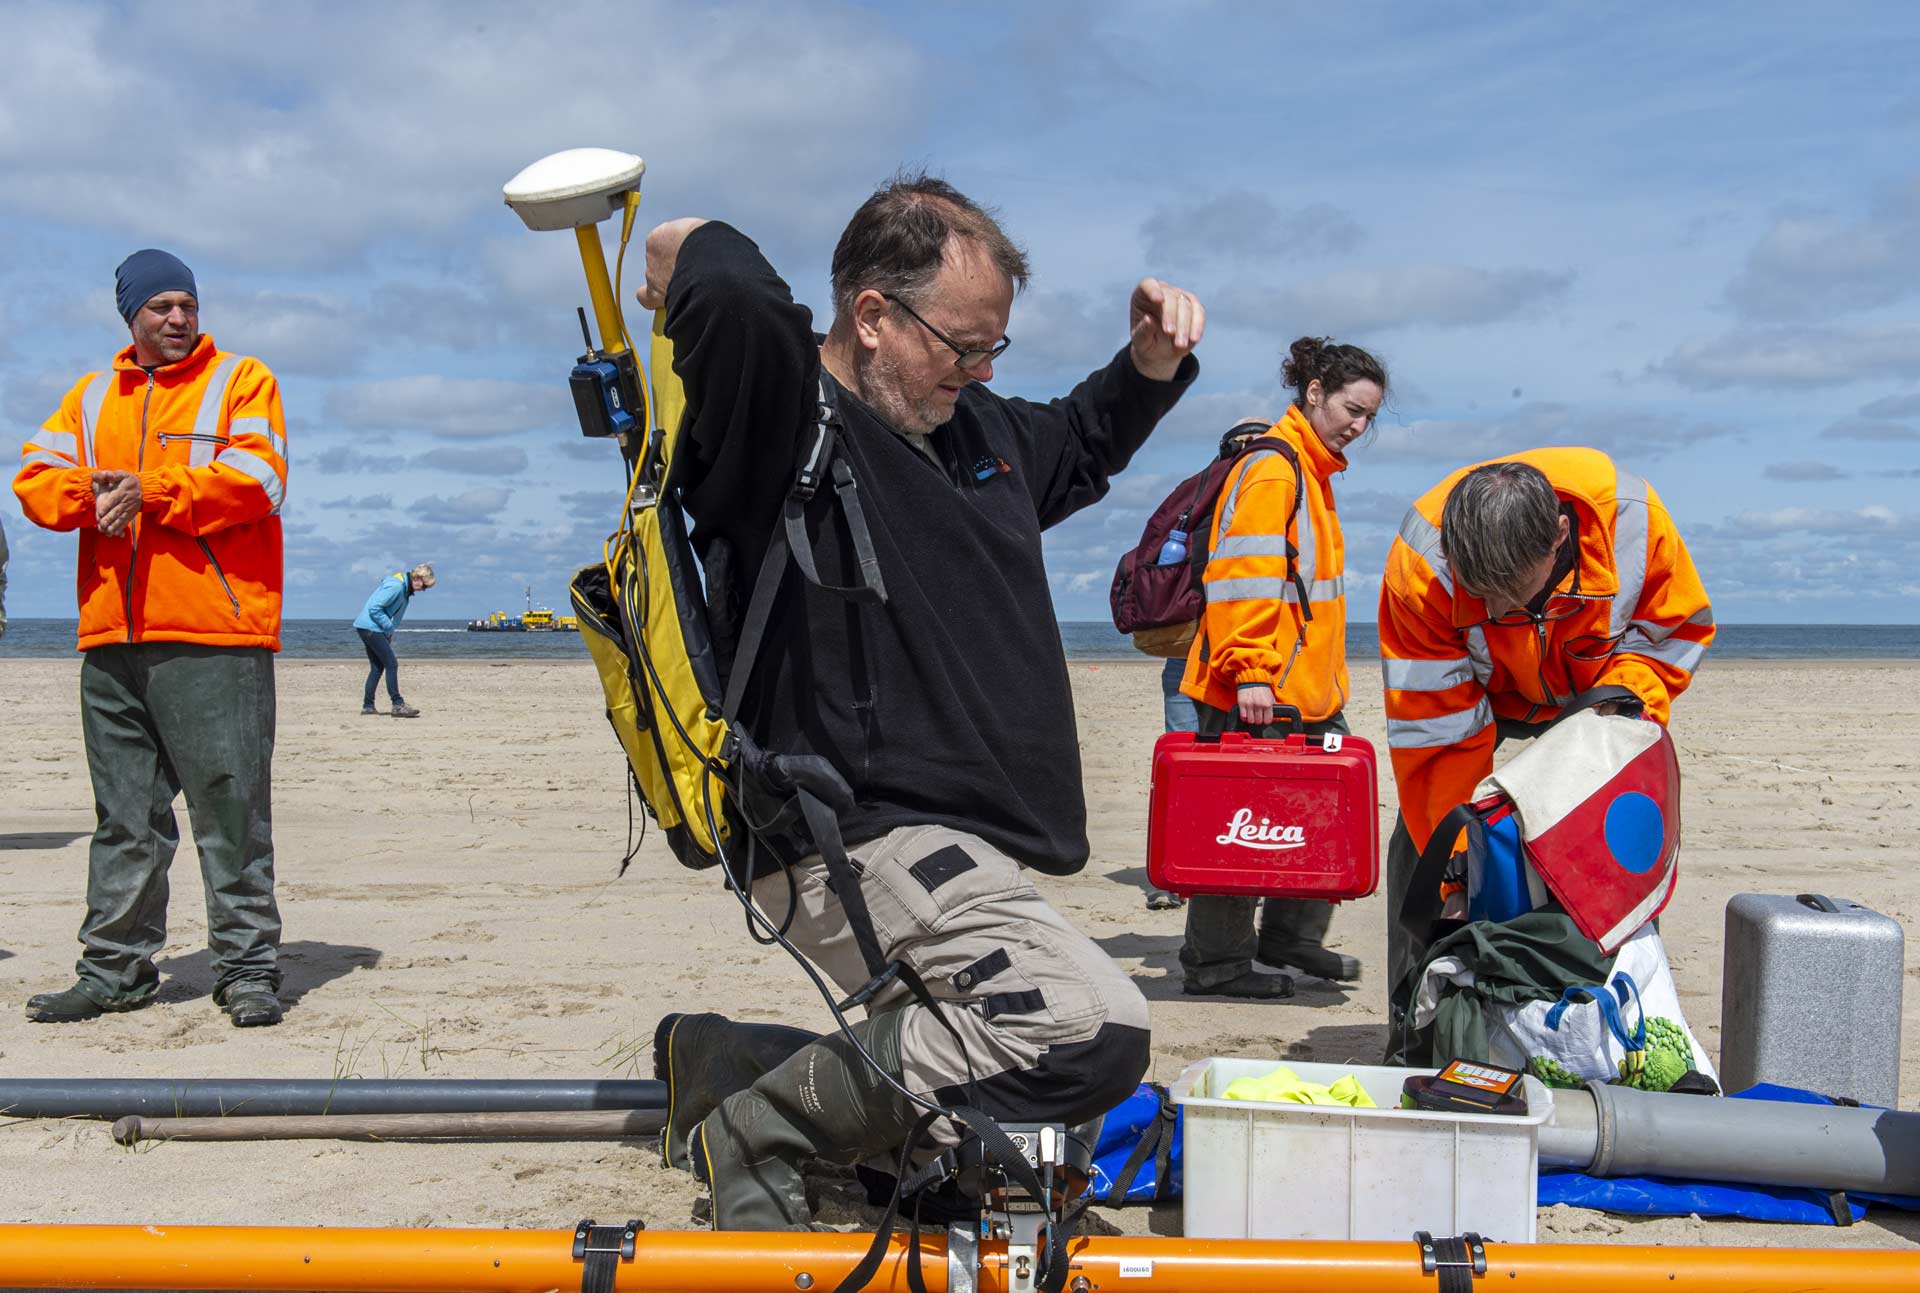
(1288, 818)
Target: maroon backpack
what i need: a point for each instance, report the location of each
(1147, 596)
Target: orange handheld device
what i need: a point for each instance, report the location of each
(1463, 1087)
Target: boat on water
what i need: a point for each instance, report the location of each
(534, 619)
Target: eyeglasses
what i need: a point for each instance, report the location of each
(962, 357)
(1560, 606)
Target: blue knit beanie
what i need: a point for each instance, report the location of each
(144, 275)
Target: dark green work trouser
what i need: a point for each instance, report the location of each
(1221, 939)
(161, 718)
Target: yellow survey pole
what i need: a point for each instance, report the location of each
(606, 310)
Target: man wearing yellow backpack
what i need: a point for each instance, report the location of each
(946, 706)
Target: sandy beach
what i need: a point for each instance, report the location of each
(452, 910)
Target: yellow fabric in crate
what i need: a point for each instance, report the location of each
(1284, 1086)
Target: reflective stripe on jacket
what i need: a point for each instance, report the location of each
(1644, 624)
(387, 606)
(202, 561)
(1252, 629)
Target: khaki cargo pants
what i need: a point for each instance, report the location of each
(1049, 1028)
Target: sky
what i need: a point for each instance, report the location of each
(1690, 238)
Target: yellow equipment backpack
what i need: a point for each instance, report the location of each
(673, 699)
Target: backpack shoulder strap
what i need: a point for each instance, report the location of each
(820, 461)
(1274, 444)
(1421, 904)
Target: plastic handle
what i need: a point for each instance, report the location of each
(1819, 902)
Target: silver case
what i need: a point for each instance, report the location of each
(1811, 998)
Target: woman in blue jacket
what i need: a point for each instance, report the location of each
(376, 621)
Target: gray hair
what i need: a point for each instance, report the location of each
(1499, 524)
(896, 242)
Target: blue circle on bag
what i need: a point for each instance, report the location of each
(1636, 832)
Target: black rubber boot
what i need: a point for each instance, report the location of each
(1293, 933)
(1254, 985)
(824, 1102)
(253, 1005)
(703, 1059)
(73, 1005)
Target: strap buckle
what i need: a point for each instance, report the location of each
(874, 986)
(1456, 1259)
(600, 1250)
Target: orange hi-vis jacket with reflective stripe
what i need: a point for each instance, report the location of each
(202, 561)
(1252, 629)
(1639, 619)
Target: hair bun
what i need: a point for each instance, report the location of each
(1304, 362)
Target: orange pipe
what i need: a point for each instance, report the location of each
(675, 1261)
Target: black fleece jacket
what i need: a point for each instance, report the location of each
(950, 704)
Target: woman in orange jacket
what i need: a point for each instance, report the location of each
(1259, 646)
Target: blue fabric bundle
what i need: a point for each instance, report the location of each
(1659, 1196)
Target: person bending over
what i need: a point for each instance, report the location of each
(1513, 587)
(386, 607)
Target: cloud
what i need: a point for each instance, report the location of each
(1532, 425)
(32, 398)
(1872, 519)
(291, 333)
(364, 503)
(452, 407)
(475, 460)
(1807, 471)
(1362, 301)
(1372, 506)
(473, 507)
(1054, 330)
(1893, 406)
(441, 314)
(592, 502)
(1815, 267)
(342, 461)
(1871, 431)
(1205, 416)
(316, 159)
(1246, 226)
(1795, 357)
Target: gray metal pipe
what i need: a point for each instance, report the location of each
(223, 1097)
(1612, 1131)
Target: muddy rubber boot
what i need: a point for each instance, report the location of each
(824, 1102)
(703, 1059)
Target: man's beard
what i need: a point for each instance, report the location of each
(881, 385)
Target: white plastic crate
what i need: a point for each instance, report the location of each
(1254, 1170)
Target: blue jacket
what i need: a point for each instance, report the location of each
(388, 605)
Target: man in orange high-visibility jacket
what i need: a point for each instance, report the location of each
(1512, 587)
(172, 465)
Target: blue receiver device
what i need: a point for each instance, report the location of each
(598, 392)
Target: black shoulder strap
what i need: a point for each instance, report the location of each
(821, 461)
(1421, 905)
(1156, 1142)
